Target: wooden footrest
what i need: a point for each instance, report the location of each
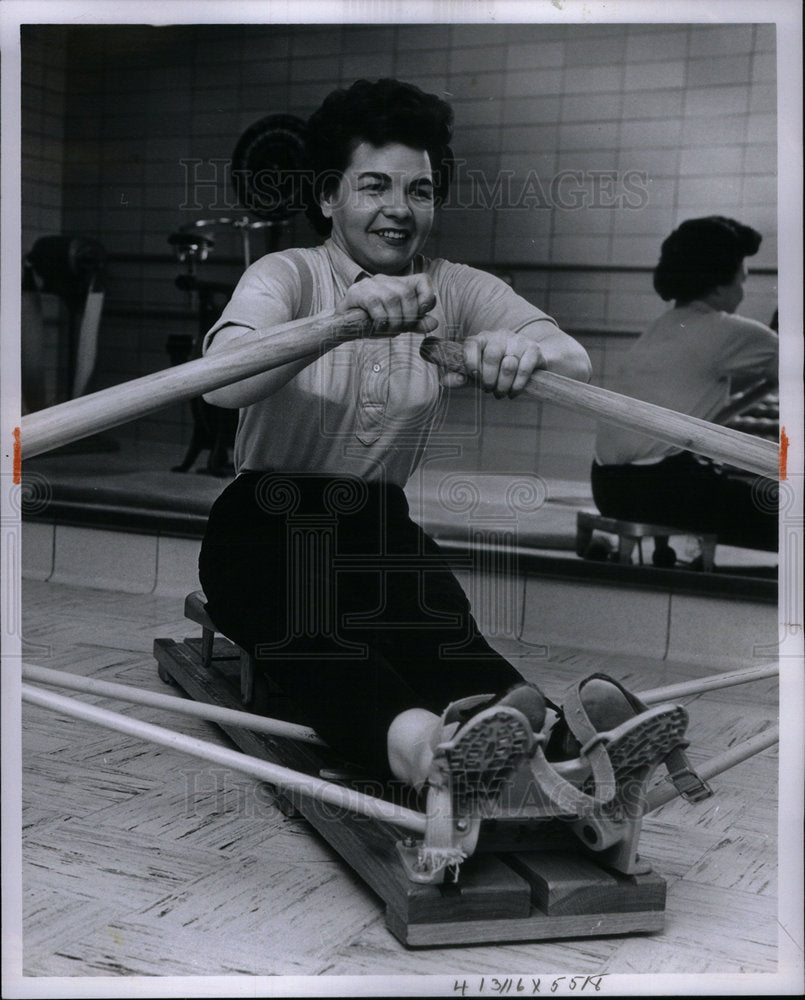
(532, 894)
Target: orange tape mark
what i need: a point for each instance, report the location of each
(17, 467)
(783, 453)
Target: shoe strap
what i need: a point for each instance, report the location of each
(689, 785)
(592, 748)
(560, 791)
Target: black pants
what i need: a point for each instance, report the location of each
(686, 492)
(346, 604)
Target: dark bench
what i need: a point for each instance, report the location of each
(632, 533)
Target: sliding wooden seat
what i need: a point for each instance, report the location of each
(195, 610)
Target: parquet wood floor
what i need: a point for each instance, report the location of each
(138, 861)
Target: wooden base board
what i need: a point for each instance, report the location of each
(534, 893)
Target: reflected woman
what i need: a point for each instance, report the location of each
(686, 361)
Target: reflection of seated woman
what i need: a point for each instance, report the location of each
(754, 404)
(685, 361)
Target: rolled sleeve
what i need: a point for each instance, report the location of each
(482, 301)
(267, 294)
(750, 347)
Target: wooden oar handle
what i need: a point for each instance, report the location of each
(77, 418)
(59, 425)
(699, 436)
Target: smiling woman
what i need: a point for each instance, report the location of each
(382, 208)
(380, 114)
(310, 561)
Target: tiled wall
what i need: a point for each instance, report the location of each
(43, 82)
(588, 144)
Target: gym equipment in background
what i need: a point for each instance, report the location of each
(267, 176)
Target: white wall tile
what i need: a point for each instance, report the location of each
(656, 44)
(37, 549)
(711, 71)
(721, 633)
(595, 617)
(177, 566)
(655, 75)
(715, 40)
(108, 560)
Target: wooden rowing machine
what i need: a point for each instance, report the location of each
(525, 881)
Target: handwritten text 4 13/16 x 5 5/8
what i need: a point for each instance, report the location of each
(527, 985)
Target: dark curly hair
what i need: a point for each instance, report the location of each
(702, 254)
(382, 112)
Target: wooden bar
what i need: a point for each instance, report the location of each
(700, 436)
(564, 883)
(290, 730)
(656, 696)
(77, 418)
(536, 927)
(285, 778)
(59, 425)
(171, 703)
(722, 444)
